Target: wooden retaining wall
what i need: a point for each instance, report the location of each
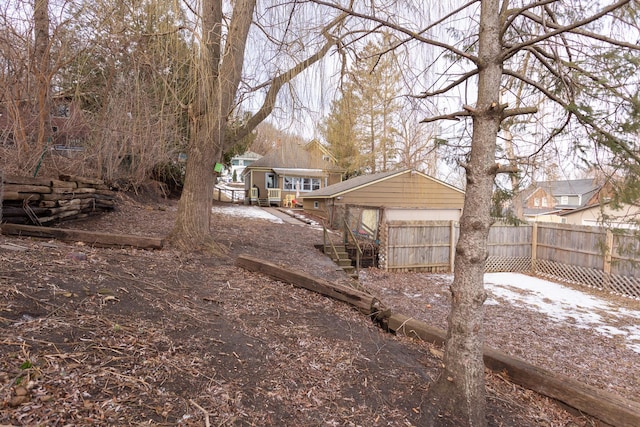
(583, 255)
(610, 408)
(44, 201)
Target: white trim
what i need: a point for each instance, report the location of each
(311, 173)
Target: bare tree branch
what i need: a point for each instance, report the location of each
(535, 85)
(582, 32)
(541, 55)
(514, 13)
(412, 34)
(508, 53)
(519, 111)
(557, 131)
(453, 116)
(279, 81)
(466, 76)
(436, 22)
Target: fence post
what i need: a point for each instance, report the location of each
(606, 267)
(452, 245)
(534, 247)
(1, 192)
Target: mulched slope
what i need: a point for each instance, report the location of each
(125, 337)
(564, 347)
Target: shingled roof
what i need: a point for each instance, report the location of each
(362, 181)
(573, 187)
(291, 155)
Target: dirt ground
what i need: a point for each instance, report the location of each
(125, 337)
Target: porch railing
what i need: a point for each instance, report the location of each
(274, 196)
(253, 195)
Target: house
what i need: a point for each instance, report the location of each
(603, 214)
(547, 200)
(397, 195)
(238, 164)
(69, 126)
(288, 173)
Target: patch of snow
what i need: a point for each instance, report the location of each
(563, 304)
(246, 212)
(609, 331)
(314, 224)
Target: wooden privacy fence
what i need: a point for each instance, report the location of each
(417, 245)
(591, 256)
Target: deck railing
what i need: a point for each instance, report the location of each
(274, 196)
(350, 237)
(326, 246)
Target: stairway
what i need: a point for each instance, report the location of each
(341, 257)
(263, 203)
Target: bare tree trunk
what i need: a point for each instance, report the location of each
(460, 390)
(218, 79)
(194, 208)
(42, 71)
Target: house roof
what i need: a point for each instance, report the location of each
(572, 187)
(247, 155)
(317, 144)
(582, 209)
(585, 188)
(299, 172)
(291, 155)
(539, 212)
(363, 181)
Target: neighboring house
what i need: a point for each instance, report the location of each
(547, 200)
(316, 149)
(288, 173)
(238, 164)
(70, 129)
(626, 217)
(402, 195)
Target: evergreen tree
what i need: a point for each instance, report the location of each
(339, 131)
(361, 128)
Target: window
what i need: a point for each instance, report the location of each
(61, 110)
(270, 179)
(545, 203)
(564, 200)
(295, 183)
(536, 202)
(316, 204)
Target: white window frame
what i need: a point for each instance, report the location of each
(302, 184)
(267, 181)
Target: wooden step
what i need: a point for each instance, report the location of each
(344, 262)
(339, 255)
